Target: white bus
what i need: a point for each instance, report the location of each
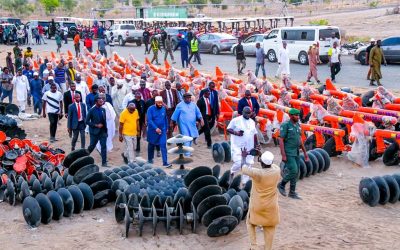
(299, 39)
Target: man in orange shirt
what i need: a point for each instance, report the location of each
(77, 38)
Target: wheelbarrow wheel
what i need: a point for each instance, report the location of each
(330, 147)
(391, 155)
(310, 142)
(373, 155)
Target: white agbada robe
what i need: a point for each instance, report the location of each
(84, 89)
(117, 96)
(248, 126)
(283, 59)
(22, 88)
(30, 38)
(127, 98)
(110, 119)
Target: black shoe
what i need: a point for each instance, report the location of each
(104, 165)
(168, 166)
(281, 189)
(294, 195)
(150, 161)
(125, 158)
(158, 154)
(194, 141)
(209, 147)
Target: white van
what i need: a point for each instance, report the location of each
(299, 39)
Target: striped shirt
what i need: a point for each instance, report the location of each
(53, 101)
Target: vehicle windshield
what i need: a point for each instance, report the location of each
(127, 27)
(325, 34)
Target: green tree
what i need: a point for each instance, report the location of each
(198, 2)
(106, 4)
(216, 1)
(170, 2)
(17, 7)
(68, 5)
(137, 3)
(50, 5)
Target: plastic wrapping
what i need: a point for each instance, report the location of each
(359, 152)
(381, 98)
(317, 114)
(284, 98)
(333, 106)
(286, 82)
(349, 103)
(266, 87)
(306, 92)
(389, 122)
(226, 81)
(264, 99)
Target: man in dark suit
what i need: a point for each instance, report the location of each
(76, 121)
(206, 111)
(249, 101)
(69, 97)
(96, 120)
(213, 98)
(170, 99)
(141, 107)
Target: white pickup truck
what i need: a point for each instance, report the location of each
(125, 33)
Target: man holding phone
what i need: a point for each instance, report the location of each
(243, 135)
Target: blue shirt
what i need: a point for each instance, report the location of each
(28, 73)
(41, 69)
(157, 118)
(59, 75)
(186, 115)
(260, 56)
(36, 86)
(184, 47)
(90, 100)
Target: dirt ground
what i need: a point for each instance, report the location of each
(330, 216)
(362, 24)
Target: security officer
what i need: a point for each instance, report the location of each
(194, 47)
(290, 143)
(155, 47)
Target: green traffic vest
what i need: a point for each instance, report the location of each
(194, 45)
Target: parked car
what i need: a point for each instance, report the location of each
(249, 44)
(11, 27)
(12, 20)
(299, 39)
(45, 24)
(216, 42)
(125, 33)
(174, 32)
(390, 47)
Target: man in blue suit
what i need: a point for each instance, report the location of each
(213, 99)
(96, 120)
(76, 121)
(184, 45)
(249, 101)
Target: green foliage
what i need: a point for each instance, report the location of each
(68, 5)
(295, 1)
(17, 7)
(224, 7)
(216, 1)
(198, 2)
(50, 5)
(137, 3)
(126, 2)
(373, 4)
(106, 4)
(171, 2)
(319, 22)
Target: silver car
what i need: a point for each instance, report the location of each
(390, 47)
(249, 44)
(216, 42)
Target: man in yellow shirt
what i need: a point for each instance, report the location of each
(128, 130)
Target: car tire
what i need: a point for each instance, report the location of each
(271, 55)
(215, 50)
(139, 43)
(303, 58)
(362, 58)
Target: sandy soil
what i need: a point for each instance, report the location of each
(363, 24)
(330, 216)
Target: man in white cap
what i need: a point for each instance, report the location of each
(118, 93)
(243, 135)
(47, 71)
(47, 85)
(263, 207)
(129, 97)
(127, 82)
(21, 85)
(283, 61)
(367, 51)
(36, 91)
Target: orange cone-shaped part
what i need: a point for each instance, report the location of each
(196, 73)
(329, 85)
(89, 82)
(218, 72)
(3, 137)
(225, 107)
(147, 60)
(358, 119)
(167, 65)
(127, 70)
(279, 115)
(35, 65)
